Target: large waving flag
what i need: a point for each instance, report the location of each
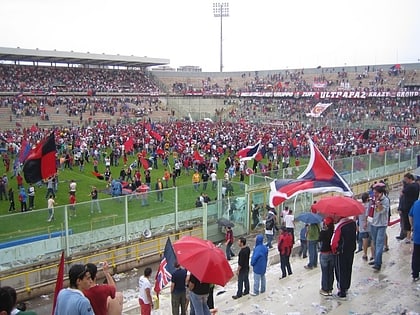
(318, 109)
(249, 152)
(166, 267)
(40, 163)
(318, 177)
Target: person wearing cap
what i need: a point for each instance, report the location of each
(326, 257)
(71, 301)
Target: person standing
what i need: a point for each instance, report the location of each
(199, 292)
(343, 245)
(22, 198)
(270, 223)
(196, 181)
(379, 224)
(178, 290)
(289, 222)
(243, 269)
(51, 203)
(303, 250)
(414, 217)
(31, 195)
(259, 263)
(72, 202)
(50, 188)
(326, 257)
(229, 242)
(100, 295)
(11, 194)
(71, 301)
(312, 237)
(94, 200)
(159, 190)
(410, 194)
(72, 187)
(145, 292)
(285, 246)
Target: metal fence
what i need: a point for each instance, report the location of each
(120, 222)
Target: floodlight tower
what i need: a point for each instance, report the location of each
(221, 9)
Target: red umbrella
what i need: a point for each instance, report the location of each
(205, 261)
(338, 206)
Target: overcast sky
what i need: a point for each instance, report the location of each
(257, 35)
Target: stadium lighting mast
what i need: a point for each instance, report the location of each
(221, 9)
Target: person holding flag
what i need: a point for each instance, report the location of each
(145, 295)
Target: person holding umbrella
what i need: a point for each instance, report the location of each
(343, 245)
(199, 292)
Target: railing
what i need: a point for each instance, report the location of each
(117, 233)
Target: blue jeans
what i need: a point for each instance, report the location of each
(199, 304)
(313, 253)
(243, 280)
(378, 239)
(303, 248)
(229, 252)
(326, 261)
(269, 240)
(259, 279)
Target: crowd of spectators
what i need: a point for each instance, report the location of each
(49, 80)
(126, 106)
(180, 138)
(375, 110)
(365, 79)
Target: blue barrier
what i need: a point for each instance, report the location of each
(31, 239)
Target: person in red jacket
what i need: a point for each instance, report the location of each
(284, 246)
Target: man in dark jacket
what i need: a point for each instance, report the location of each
(343, 245)
(243, 268)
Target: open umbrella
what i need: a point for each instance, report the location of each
(225, 222)
(338, 206)
(203, 259)
(309, 218)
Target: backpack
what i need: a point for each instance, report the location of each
(269, 224)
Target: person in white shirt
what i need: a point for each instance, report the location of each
(289, 223)
(145, 292)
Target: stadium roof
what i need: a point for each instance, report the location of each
(61, 57)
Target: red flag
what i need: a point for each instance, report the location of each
(197, 157)
(98, 175)
(59, 283)
(147, 164)
(40, 163)
(166, 267)
(155, 135)
(129, 145)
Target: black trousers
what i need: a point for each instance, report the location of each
(343, 268)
